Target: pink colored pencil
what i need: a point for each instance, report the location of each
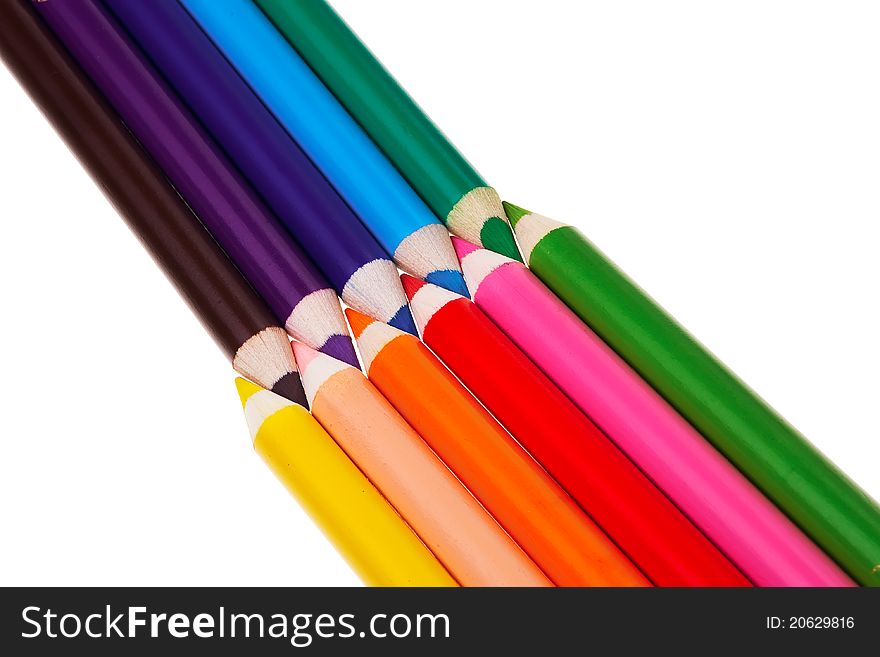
(744, 524)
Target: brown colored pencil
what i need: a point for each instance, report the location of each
(237, 318)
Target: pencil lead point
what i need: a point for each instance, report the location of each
(425, 300)
(246, 389)
(290, 387)
(462, 247)
(450, 280)
(316, 368)
(358, 321)
(341, 348)
(304, 355)
(497, 235)
(514, 212)
(403, 320)
(411, 285)
(317, 320)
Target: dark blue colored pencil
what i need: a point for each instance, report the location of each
(305, 202)
(266, 254)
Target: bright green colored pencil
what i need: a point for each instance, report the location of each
(838, 515)
(435, 169)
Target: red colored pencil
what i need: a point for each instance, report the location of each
(643, 522)
(541, 517)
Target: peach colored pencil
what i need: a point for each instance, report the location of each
(463, 536)
(531, 506)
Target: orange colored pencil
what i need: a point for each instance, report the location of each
(534, 510)
(463, 536)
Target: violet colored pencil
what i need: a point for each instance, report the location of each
(304, 201)
(234, 315)
(268, 257)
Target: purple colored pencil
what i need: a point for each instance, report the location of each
(301, 197)
(261, 248)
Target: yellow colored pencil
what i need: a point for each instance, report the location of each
(369, 534)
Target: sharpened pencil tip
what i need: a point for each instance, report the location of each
(290, 387)
(403, 320)
(463, 248)
(246, 389)
(497, 236)
(341, 348)
(316, 369)
(304, 355)
(449, 279)
(357, 321)
(411, 285)
(514, 212)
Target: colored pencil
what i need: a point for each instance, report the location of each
(705, 486)
(436, 170)
(365, 529)
(535, 511)
(737, 421)
(304, 201)
(362, 175)
(265, 253)
(238, 320)
(639, 518)
(829, 507)
(463, 536)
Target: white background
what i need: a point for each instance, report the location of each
(726, 155)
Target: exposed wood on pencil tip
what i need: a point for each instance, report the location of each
(265, 357)
(411, 285)
(375, 288)
(317, 368)
(245, 389)
(373, 336)
(304, 355)
(317, 319)
(514, 212)
(463, 247)
(357, 321)
(478, 216)
(260, 404)
(427, 253)
(478, 263)
(531, 228)
(426, 300)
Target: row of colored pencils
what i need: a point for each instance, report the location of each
(553, 426)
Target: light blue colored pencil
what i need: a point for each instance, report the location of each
(386, 204)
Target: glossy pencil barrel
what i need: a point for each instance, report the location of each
(739, 519)
(838, 515)
(217, 293)
(431, 164)
(337, 145)
(378, 545)
(269, 258)
(534, 510)
(288, 181)
(463, 536)
(634, 513)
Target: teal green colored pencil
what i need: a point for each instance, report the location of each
(436, 170)
(838, 515)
